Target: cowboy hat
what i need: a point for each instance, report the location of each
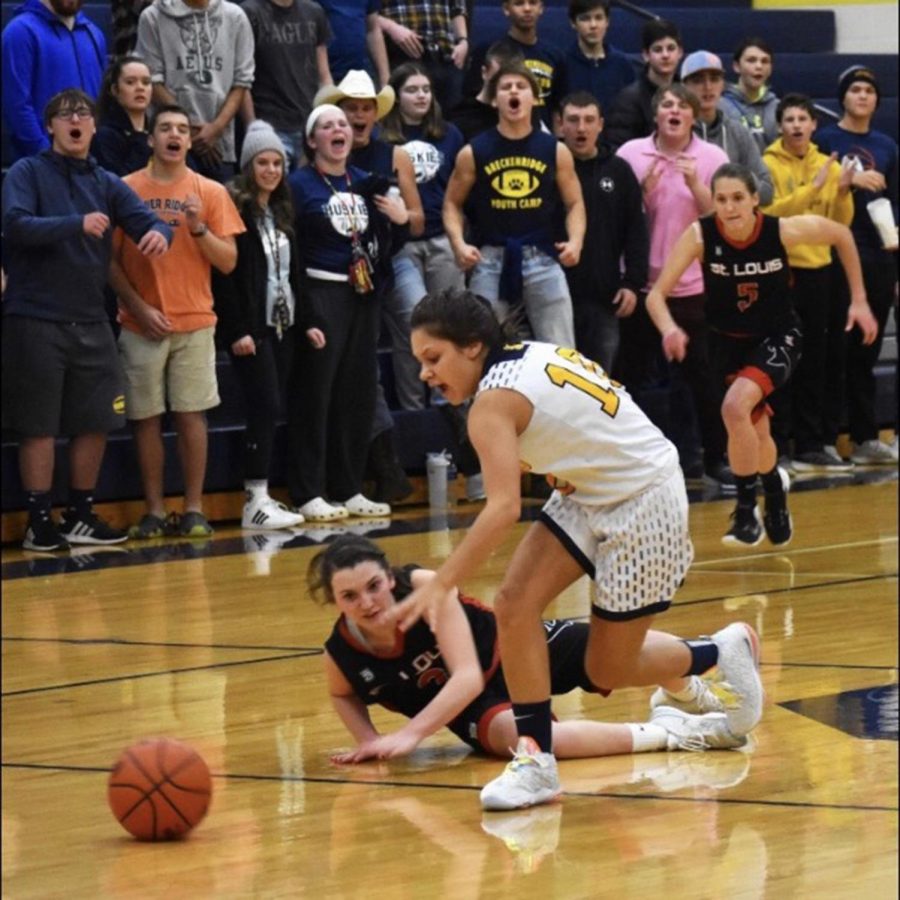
(357, 85)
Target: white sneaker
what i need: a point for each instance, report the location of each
(359, 505)
(705, 698)
(689, 732)
(319, 510)
(874, 453)
(265, 514)
(529, 779)
(739, 667)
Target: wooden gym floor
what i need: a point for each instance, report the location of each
(218, 644)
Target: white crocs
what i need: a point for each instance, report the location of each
(319, 510)
(361, 506)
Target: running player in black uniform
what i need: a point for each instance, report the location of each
(755, 339)
(449, 674)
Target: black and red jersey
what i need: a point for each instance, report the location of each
(409, 677)
(748, 282)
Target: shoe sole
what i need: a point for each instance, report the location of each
(500, 806)
(821, 470)
(93, 541)
(37, 548)
(737, 723)
(786, 487)
(730, 541)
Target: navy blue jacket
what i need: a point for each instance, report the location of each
(117, 146)
(41, 57)
(55, 270)
(603, 78)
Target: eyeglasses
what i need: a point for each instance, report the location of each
(83, 112)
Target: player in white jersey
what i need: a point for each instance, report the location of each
(619, 514)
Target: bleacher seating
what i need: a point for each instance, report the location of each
(804, 44)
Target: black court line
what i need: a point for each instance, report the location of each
(809, 586)
(155, 674)
(152, 552)
(125, 642)
(428, 785)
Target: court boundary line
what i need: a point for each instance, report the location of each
(127, 642)
(430, 785)
(154, 674)
(858, 579)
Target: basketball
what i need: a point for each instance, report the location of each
(159, 789)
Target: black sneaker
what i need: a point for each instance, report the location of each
(91, 529)
(43, 535)
(777, 518)
(746, 528)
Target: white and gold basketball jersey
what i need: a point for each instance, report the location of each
(586, 433)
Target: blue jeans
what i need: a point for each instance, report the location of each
(293, 143)
(421, 267)
(545, 294)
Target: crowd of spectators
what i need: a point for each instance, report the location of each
(284, 179)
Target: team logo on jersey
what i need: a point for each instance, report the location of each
(515, 179)
(347, 213)
(607, 184)
(515, 183)
(119, 405)
(426, 159)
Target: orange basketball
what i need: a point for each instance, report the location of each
(159, 789)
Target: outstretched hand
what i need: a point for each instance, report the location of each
(385, 746)
(425, 601)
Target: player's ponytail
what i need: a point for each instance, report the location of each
(463, 318)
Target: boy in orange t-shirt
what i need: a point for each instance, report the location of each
(166, 311)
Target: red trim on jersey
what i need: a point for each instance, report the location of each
(741, 245)
(764, 383)
(484, 723)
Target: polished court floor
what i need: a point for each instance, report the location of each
(218, 644)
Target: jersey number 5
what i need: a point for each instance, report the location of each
(603, 393)
(748, 291)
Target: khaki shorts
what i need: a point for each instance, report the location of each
(178, 373)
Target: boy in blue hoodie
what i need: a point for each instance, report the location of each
(48, 46)
(592, 64)
(61, 369)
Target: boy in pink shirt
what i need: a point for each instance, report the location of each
(674, 168)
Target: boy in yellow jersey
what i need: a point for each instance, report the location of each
(807, 181)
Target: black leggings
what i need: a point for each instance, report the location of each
(263, 377)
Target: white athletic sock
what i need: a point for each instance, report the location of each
(689, 693)
(256, 488)
(647, 737)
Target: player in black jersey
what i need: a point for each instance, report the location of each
(755, 338)
(450, 675)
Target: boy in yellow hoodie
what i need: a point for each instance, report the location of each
(808, 181)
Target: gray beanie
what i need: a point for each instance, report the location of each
(260, 136)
